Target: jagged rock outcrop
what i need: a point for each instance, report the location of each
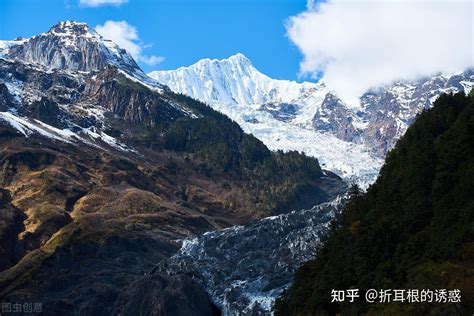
(76, 100)
(281, 111)
(334, 118)
(72, 46)
(129, 100)
(6, 100)
(388, 112)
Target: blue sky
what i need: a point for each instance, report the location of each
(182, 31)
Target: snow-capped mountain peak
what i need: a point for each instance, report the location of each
(63, 83)
(237, 61)
(308, 116)
(71, 46)
(69, 28)
(241, 58)
(233, 81)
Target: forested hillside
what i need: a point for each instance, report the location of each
(413, 229)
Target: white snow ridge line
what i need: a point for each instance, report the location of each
(27, 128)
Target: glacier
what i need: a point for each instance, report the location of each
(245, 268)
(348, 139)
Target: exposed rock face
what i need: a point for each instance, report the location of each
(129, 100)
(281, 111)
(72, 46)
(48, 111)
(76, 101)
(6, 99)
(334, 118)
(30, 82)
(83, 76)
(388, 112)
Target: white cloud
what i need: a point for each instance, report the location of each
(126, 36)
(363, 44)
(97, 3)
(310, 4)
(152, 60)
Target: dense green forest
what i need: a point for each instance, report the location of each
(280, 180)
(412, 229)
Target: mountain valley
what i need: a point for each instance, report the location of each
(195, 191)
(104, 171)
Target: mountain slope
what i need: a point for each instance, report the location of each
(103, 171)
(310, 116)
(63, 83)
(278, 112)
(71, 46)
(413, 229)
